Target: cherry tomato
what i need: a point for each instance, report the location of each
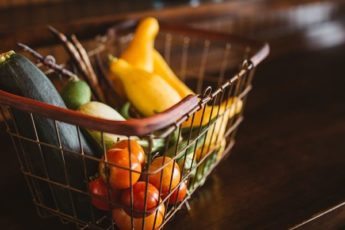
(136, 149)
(119, 173)
(179, 194)
(123, 219)
(171, 168)
(152, 196)
(99, 194)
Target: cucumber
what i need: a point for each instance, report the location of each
(20, 76)
(76, 93)
(101, 110)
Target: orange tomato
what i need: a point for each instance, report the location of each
(179, 194)
(119, 178)
(100, 194)
(170, 174)
(152, 196)
(136, 149)
(123, 219)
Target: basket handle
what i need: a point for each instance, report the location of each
(130, 127)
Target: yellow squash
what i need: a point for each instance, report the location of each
(148, 92)
(217, 129)
(201, 118)
(201, 152)
(139, 53)
(161, 68)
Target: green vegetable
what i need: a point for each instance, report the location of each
(100, 110)
(198, 176)
(185, 158)
(76, 93)
(125, 110)
(20, 76)
(157, 144)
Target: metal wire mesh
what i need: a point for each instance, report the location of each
(58, 175)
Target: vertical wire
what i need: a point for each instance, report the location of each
(225, 116)
(248, 74)
(145, 194)
(81, 150)
(64, 167)
(188, 142)
(8, 129)
(167, 47)
(201, 166)
(184, 58)
(130, 181)
(181, 170)
(223, 86)
(107, 171)
(202, 66)
(43, 159)
(197, 140)
(173, 168)
(161, 171)
(224, 64)
(21, 163)
(216, 120)
(147, 169)
(235, 93)
(37, 191)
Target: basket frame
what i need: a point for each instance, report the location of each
(169, 120)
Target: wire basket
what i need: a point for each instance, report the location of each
(217, 66)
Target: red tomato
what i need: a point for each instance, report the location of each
(123, 219)
(152, 197)
(136, 149)
(99, 194)
(119, 173)
(179, 194)
(170, 174)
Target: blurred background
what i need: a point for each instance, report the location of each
(288, 165)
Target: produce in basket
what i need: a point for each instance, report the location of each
(140, 51)
(102, 197)
(115, 168)
(148, 92)
(150, 86)
(20, 76)
(179, 194)
(148, 77)
(134, 148)
(151, 221)
(143, 194)
(76, 93)
(161, 68)
(164, 173)
(101, 110)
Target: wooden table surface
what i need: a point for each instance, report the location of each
(288, 163)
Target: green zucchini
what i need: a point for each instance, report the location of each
(20, 76)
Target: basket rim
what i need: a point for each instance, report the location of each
(141, 126)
